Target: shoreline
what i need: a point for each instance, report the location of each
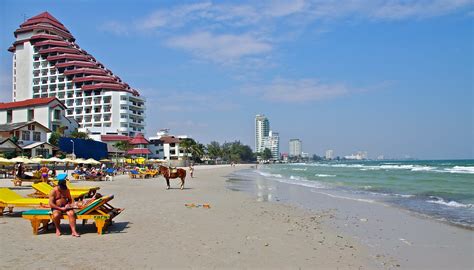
(157, 230)
(406, 235)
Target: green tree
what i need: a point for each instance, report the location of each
(214, 150)
(267, 154)
(123, 146)
(54, 139)
(79, 135)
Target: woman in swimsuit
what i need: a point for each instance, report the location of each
(61, 203)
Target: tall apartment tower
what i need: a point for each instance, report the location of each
(295, 148)
(47, 62)
(262, 129)
(329, 154)
(272, 142)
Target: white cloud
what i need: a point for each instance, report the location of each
(224, 49)
(300, 90)
(115, 28)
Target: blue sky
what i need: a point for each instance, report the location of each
(393, 78)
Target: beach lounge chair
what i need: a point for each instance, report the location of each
(42, 190)
(134, 174)
(91, 190)
(34, 178)
(10, 199)
(98, 210)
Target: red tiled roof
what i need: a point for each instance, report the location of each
(44, 17)
(139, 151)
(139, 139)
(59, 43)
(116, 86)
(93, 71)
(68, 56)
(114, 138)
(94, 78)
(28, 103)
(76, 63)
(170, 139)
(60, 50)
(45, 36)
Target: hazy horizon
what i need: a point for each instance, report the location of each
(392, 78)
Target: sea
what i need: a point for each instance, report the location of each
(441, 189)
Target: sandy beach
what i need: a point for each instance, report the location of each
(157, 230)
(239, 231)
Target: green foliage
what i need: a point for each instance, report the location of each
(79, 135)
(54, 139)
(123, 146)
(230, 151)
(267, 154)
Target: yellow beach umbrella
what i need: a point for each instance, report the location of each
(92, 161)
(38, 160)
(55, 159)
(5, 161)
(79, 161)
(21, 160)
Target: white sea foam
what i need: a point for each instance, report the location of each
(324, 175)
(270, 174)
(438, 200)
(293, 177)
(346, 198)
(299, 169)
(423, 168)
(461, 169)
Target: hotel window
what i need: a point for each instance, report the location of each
(25, 135)
(9, 116)
(37, 136)
(31, 114)
(57, 114)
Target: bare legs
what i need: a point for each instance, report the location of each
(57, 221)
(72, 222)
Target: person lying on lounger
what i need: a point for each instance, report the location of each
(62, 203)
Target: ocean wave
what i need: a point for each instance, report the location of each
(346, 198)
(325, 175)
(269, 174)
(299, 169)
(293, 177)
(441, 201)
(460, 169)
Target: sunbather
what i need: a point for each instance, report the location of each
(61, 203)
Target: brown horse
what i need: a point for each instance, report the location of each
(180, 173)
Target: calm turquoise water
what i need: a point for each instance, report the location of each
(443, 189)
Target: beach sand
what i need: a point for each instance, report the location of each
(157, 230)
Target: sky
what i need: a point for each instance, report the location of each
(392, 78)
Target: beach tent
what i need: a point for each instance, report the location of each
(5, 161)
(38, 160)
(92, 161)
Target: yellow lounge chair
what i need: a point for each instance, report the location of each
(42, 190)
(89, 189)
(10, 199)
(99, 210)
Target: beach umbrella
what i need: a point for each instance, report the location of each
(104, 160)
(79, 161)
(92, 161)
(38, 160)
(21, 160)
(55, 159)
(5, 161)
(67, 160)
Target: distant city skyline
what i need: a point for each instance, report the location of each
(390, 78)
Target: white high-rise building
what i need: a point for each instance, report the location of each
(47, 62)
(329, 154)
(272, 142)
(295, 148)
(262, 130)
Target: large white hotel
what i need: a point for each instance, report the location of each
(48, 63)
